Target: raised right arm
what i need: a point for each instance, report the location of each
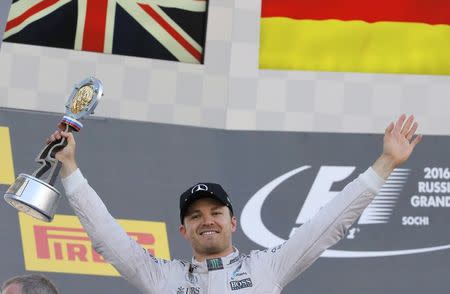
(109, 239)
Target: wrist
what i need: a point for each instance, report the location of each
(384, 165)
(68, 168)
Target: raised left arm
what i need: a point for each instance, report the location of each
(330, 224)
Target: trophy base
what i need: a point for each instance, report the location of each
(33, 197)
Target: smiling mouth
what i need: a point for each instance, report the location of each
(208, 233)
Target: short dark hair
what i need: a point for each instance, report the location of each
(32, 284)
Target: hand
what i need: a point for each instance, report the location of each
(67, 154)
(399, 140)
(398, 144)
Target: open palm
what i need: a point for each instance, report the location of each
(399, 139)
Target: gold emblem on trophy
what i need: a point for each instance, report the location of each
(82, 99)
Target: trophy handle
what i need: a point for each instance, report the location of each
(47, 160)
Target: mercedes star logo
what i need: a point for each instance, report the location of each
(199, 187)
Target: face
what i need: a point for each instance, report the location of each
(208, 225)
(12, 289)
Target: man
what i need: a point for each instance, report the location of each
(207, 222)
(29, 284)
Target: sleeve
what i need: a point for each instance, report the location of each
(324, 230)
(132, 261)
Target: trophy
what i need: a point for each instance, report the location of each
(35, 194)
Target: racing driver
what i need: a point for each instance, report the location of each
(208, 223)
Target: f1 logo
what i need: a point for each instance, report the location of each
(320, 193)
(6, 161)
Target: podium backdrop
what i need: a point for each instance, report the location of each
(399, 244)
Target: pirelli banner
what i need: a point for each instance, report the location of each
(276, 180)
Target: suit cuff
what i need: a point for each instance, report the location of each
(373, 181)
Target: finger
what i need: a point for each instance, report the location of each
(55, 133)
(399, 123)
(50, 140)
(389, 128)
(407, 125)
(416, 140)
(412, 131)
(58, 135)
(64, 134)
(69, 137)
(53, 137)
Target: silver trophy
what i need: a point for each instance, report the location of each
(35, 194)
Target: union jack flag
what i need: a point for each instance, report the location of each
(4, 9)
(161, 29)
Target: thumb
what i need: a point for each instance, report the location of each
(389, 128)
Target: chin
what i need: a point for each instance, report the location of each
(211, 249)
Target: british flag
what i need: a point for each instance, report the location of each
(162, 29)
(4, 10)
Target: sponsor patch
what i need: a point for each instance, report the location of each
(191, 278)
(188, 290)
(241, 284)
(214, 264)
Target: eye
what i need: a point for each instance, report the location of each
(194, 216)
(217, 213)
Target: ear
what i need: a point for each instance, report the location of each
(182, 230)
(233, 224)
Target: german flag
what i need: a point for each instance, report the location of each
(384, 36)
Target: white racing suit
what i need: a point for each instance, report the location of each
(261, 271)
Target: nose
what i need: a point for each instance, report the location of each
(208, 219)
